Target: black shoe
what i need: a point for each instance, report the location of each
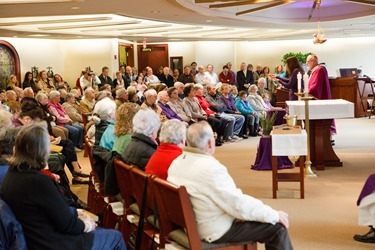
(366, 238)
(244, 136)
(79, 181)
(218, 143)
(80, 174)
(81, 204)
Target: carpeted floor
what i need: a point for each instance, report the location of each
(327, 217)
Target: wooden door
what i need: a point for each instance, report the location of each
(153, 56)
(125, 54)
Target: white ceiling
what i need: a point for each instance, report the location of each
(181, 20)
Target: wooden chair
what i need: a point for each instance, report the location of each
(177, 221)
(84, 121)
(95, 195)
(138, 181)
(93, 190)
(131, 210)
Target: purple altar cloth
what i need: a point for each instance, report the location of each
(367, 189)
(263, 160)
(279, 117)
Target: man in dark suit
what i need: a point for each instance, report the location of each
(104, 78)
(166, 78)
(244, 78)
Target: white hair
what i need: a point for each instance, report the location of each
(28, 89)
(69, 96)
(161, 94)
(106, 109)
(53, 94)
(150, 92)
(146, 122)
(198, 135)
(120, 91)
(88, 90)
(5, 121)
(173, 131)
(252, 86)
(178, 84)
(198, 86)
(262, 79)
(40, 96)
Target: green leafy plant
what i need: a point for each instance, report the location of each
(301, 57)
(267, 121)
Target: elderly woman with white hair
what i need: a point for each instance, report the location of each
(256, 101)
(105, 107)
(72, 109)
(143, 144)
(62, 119)
(58, 131)
(172, 140)
(150, 102)
(87, 104)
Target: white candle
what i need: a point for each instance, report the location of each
(306, 83)
(299, 78)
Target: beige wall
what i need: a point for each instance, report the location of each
(336, 53)
(184, 49)
(40, 53)
(215, 53)
(95, 53)
(68, 57)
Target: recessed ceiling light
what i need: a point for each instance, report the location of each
(38, 35)
(75, 8)
(208, 21)
(155, 11)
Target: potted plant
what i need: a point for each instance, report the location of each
(301, 57)
(266, 122)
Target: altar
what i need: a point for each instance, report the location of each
(321, 113)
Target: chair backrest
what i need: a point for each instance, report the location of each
(124, 181)
(138, 181)
(89, 145)
(175, 211)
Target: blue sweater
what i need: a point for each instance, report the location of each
(243, 106)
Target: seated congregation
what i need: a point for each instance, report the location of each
(144, 122)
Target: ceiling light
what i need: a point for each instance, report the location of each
(28, 21)
(75, 8)
(155, 11)
(208, 21)
(38, 35)
(80, 26)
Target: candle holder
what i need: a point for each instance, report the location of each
(308, 171)
(299, 94)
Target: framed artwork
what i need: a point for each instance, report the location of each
(176, 62)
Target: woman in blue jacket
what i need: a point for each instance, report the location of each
(252, 119)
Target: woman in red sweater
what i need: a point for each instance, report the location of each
(172, 139)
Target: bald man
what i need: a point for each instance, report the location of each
(319, 86)
(223, 213)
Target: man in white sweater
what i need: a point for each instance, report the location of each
(223, 213)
